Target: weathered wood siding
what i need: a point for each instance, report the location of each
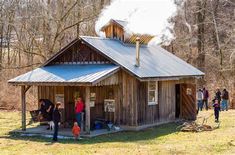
(166, 101)
(188, 101)
(69, 101)
(102, 92)
(80, 53)
(48, 92)
(111, 80)
(114, 31)
(126, 107)
(164, 111)
(131, 100)
(147, 114)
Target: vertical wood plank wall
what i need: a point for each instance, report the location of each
(127, 110)
(166, 100)
(114, 31)
(102, 92)
(131, 103)
(147, 114)
(48, 92)
(80, 54)
(188, 108)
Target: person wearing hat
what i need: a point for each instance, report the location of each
(56, 119)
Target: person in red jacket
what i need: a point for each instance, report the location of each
(79, 107)
(76, 130)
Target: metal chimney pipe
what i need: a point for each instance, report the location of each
(137, 51)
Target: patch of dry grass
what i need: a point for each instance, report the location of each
(164, 139)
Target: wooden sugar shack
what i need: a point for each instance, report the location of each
(120, 78)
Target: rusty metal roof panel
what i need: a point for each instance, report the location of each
(72, 73)
(155, 62)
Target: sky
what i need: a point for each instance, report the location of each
(143, 16)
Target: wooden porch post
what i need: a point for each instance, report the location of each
(23, 105)
(87, 106)
(23, 108)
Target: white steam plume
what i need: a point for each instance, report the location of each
(144, 17)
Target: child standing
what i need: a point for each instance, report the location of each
(216, 106)
(76, 130)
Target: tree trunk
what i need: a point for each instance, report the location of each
(1, 48)
(1, 42)
(78, 17)
(200, 37)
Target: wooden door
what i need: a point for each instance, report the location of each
(188, 101)
(177, 101)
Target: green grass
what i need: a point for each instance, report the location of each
(164, 139)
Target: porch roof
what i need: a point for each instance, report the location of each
(66, 74)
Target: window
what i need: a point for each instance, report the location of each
(152, 92)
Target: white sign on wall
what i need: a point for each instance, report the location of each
(109, 105)
(60, 98)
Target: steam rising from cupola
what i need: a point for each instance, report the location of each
(134, 18)
(116, 29)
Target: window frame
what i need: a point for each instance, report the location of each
(155, 93)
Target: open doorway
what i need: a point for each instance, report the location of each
(177, 100)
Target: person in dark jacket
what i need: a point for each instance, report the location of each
(218, 95)
(225, 98)
(56, 119)
(216, 106)
(205, 98)
(46, 110)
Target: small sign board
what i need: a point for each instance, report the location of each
(76, 95)
(92, 99)
(92, 103)
(189, 91)
(60, 98)
(109, 105)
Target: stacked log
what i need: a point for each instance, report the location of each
(194, 127)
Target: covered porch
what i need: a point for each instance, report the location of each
(93, 83)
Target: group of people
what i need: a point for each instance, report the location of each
(202, 98)
(219, 102)
(50, 112)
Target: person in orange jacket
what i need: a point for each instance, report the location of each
(76, 130)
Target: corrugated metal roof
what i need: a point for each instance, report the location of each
(121, 22)
(154, 60)
(74, 73)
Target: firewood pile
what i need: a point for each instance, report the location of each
(196, 127)
(231, 143)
